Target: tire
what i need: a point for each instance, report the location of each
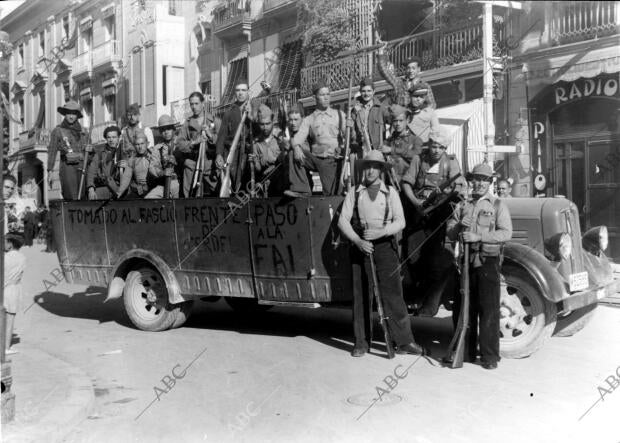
(575, 321)
(246, 305)
(182, 311)
(146, 300)
(526, 325)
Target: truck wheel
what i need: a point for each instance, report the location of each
(182, 311)
(527, 318)
(246, 305)
(146, 300)
(575, 321)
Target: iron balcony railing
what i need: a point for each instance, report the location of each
(435, 48)
(573, 21)
(230, 13)
(82, 63)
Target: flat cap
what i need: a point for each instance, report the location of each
(367, 81)
(419, 89)
(482, 169)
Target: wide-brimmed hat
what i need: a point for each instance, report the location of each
(16, 237)
(165, 121)
(482, 169)
(373, 156)
(71, 107)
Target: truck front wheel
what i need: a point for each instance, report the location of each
(527, 318)
(574, 321)
(146, 300)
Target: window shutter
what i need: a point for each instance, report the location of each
(136, 75)
(150, 81)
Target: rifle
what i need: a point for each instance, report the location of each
(197, 182)
(346, 167)
(226, 182)
(438, 197)
(87, 150)
(382, 318)
(456, 349)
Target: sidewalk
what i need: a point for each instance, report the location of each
(51, 397)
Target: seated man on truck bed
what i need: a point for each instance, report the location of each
(143, 174)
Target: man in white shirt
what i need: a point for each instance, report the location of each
(14, 267)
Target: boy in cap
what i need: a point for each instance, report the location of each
(371, 217)
(68, 139)
(14, 267)
(412, 80)
(402, 145)
(130, 132)
(323, 130)
(199, 127)
(485, 224)
(102, 175)
(424, 121)
(369, 117)
(267, 154)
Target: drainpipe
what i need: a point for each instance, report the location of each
(487, 78)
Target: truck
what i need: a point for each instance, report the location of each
(160, 256)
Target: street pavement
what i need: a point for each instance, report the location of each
(286, 376)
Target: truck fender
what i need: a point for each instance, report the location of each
(538, 268)
(127, 263)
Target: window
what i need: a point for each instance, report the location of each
(41, 43)
(65, 27)
(109, 108)
(150, 81)
(173, 83)
(172, 7)
(20, 55)
(237, 70)
(87, 110)
(86, 38)
(67, 91)
(22, 111)
(110, 28)
(205, 87)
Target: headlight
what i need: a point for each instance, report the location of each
(595, 240)
(566, 246)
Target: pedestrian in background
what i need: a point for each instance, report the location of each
(14, 267)
(504, 190)
(29, 222)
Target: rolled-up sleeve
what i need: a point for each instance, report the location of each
(398, 216)
(302, 135)
(344, 220)
(412, 172)
(503, 226)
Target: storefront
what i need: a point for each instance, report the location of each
(575, 139)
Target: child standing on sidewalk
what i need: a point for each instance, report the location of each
(14, 267)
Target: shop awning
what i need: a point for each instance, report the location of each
(570, 67)
(464, 126)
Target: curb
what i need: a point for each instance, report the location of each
(57, 422)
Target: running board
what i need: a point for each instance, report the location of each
(289, 304)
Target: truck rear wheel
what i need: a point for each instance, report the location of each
(575, 321)
(146, 300)
(527, 318)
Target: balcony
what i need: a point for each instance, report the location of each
(576, 21)
(270, 5)
(34, 140)
(82, 65)
(436, 48)
(229, 19)
(107, 55)
(96, 137)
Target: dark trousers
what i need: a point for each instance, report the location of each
(328, 169)
(390, 288)
(70, 180)
(484, 284)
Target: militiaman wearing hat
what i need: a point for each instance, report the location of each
(402, 145)
(426, 175)
(164, 154)
(371, 217)
(424, 120)
(485, 223)
(70, 140)
(267, 154)
(324, 131)
(369, 117)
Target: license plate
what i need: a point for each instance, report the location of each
(601, 293)
(578, 281)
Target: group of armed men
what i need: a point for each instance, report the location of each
(408, 188)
